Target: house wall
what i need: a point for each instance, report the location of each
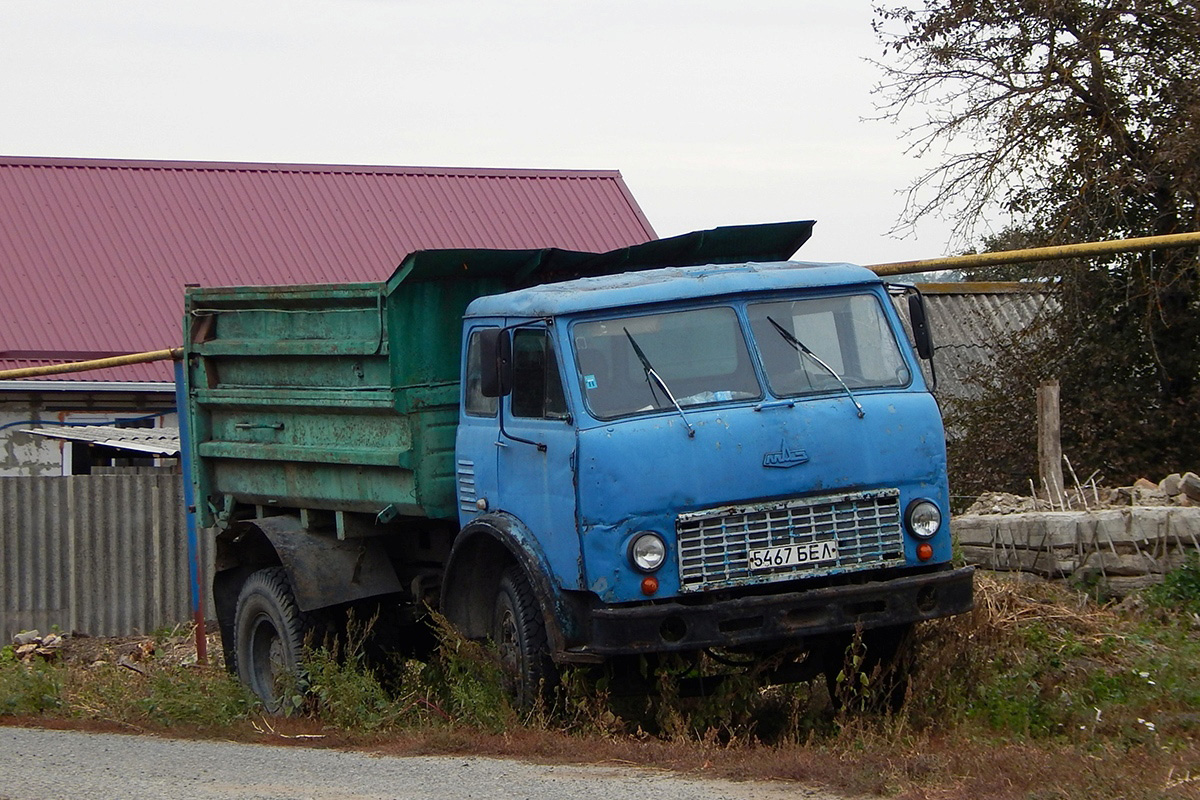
(24, 454)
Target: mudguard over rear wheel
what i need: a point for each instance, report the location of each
(519, 632)
(268, 635)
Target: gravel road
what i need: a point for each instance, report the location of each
(39, 764)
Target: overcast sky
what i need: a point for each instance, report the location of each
(717, 112)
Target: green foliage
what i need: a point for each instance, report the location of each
(464, 683)
(336, 684)
(1037, 663)
(204, 698)
(343, 693)
(1052, 113)
(1012, 700)
(856, 686)
(1047, 663)
(159, 695)
(1180, 589)
(697, 697)
(28, 688)
(341, 687)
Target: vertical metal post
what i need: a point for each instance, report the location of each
(196, 569)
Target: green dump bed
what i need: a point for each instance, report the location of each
(338, 397)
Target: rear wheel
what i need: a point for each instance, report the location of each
(268, 635)
(519, 633)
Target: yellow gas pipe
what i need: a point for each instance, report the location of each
(174, 354)
(1085, 250)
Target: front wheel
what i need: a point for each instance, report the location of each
(519, 633)
(268, 635)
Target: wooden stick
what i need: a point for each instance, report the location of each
(1078, 488)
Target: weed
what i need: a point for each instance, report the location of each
(464, 683)
(855, 687)
(460, 684)
(1180, 589)
(202, 698)
(584, 704)
(28, 688)
(337, 684)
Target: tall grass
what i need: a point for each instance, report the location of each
(1065, 696)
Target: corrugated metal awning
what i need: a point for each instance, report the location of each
(973, 324)
(157, 441)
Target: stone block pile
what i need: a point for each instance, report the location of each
(32, 645)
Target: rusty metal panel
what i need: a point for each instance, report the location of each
(104, 555)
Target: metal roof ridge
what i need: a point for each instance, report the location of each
(264, 166)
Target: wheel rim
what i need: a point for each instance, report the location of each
(268, 662)
(506, 640)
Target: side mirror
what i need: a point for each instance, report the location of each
(495, 362)
(920, 326)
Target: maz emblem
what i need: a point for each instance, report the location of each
(785, 457)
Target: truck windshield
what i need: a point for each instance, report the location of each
(849, 333)
(700, 354)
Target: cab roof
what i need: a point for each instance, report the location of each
(667, 284)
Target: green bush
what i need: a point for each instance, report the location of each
(1180, 589)
(344, 693)
(28, 688)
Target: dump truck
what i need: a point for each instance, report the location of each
(690, 445)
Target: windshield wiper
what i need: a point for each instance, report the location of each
(799, 347)
(651, 373)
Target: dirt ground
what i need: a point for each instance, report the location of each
(175, 647)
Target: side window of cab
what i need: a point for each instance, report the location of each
(537, 386)
(474, 403)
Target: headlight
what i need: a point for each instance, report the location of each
(923, 519)
(647, 551)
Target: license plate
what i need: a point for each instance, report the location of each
(793, 555)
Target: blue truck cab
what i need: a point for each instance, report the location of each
(710, 456)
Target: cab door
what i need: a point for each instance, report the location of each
(536, 453)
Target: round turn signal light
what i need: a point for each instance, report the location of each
(649, 585)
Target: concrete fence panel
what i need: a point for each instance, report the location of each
(1126, 548)
(104, 555)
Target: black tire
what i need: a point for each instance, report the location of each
(519, 633)
(268, 635)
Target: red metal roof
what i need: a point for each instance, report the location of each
(94, 253)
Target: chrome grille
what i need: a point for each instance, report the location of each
(713, 544)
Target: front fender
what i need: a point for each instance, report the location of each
(480, 554)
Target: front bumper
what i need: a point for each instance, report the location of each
(779, 618)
